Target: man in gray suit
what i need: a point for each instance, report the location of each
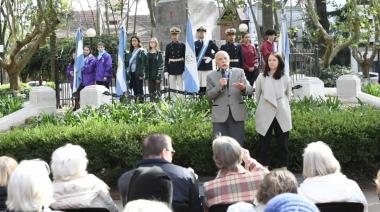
(225, 88)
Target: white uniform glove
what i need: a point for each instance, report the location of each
(166, 75)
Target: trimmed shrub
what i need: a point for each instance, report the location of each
(331, 74)
(114, 145)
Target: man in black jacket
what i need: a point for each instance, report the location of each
(233, 49)
(158, 151)
(205, 49)
(175, 60)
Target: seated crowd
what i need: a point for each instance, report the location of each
(156, 184)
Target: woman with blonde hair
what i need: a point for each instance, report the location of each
(73, 187)
(154, 68)
(7, 166)
(324, 181)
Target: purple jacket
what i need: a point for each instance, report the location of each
(104, 68)
(70, 76)
(88, 71)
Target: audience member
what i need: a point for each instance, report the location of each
(150, 183)
(7, 166)
(289, 202)
(158, 151)
(143, 205)
(324, 181)
(233, 182)
(278, 181)
(378, 184)
(30, 188)
(73, 186)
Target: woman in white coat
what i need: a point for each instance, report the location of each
(324, 181)
(273, 91)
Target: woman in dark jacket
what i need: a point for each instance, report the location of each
(154, 69)
(135, 63)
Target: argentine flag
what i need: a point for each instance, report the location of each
(284, 45)
(121, 81)
(190, 76)
(79, 60)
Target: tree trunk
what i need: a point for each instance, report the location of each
(365, 68)
(135, 19)
(106, 15)
(257, 26)
(320, 6)
(327, 55)
(275, 17)
(267, 10)
(14, 80)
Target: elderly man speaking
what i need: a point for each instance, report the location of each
(225, 88)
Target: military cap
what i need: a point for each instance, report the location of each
(201, 29)
(175, 30)
(230, 31)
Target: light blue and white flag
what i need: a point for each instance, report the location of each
(121, 80)
(284, 45)
(190, 76)
(79, 60)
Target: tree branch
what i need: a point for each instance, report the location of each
(314, 18)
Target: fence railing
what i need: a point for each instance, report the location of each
(304, 62)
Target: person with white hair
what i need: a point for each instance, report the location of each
(7, 166)
(233, 183)
(324, 181)
(73, 187)
(377, 181)
(143, 205)
(30, 188)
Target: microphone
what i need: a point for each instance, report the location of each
(226, 75)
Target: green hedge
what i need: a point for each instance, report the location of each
(115, 146)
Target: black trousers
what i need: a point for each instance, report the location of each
(282, 139)
(104, 83)
(154, 90)
(252, 76)
(137, 86)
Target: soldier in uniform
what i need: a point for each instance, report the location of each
(205, 64)
(233, 49)
(175, 60)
